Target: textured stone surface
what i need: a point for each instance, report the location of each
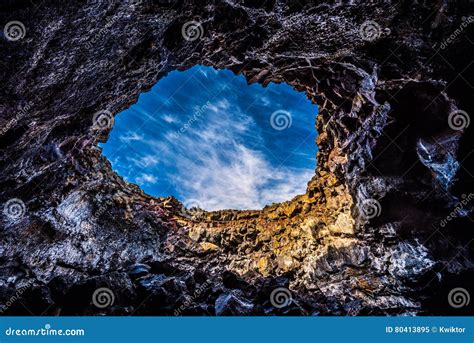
(384, 141)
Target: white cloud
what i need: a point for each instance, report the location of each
(219, 106)
(244, 180)
(266, 101)
(145, 161)
(169, 119)
(144, 179)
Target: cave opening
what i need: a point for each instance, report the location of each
(213, 141)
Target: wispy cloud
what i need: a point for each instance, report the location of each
(169, 119)
(144, 161)
(144, 179)
(243, 180)
(265, 101)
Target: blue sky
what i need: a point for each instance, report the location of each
(209, 139)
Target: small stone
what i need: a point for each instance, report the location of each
(344, 224)
(263, 266)
(195, 233)
(233, 304)
(285, 262)
(208, 247)
(138, 270)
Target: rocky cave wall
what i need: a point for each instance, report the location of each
(370, 236)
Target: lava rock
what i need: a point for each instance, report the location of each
(233, 304)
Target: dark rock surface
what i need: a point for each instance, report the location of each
(385, 226)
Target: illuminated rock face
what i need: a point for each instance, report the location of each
(375, 232)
